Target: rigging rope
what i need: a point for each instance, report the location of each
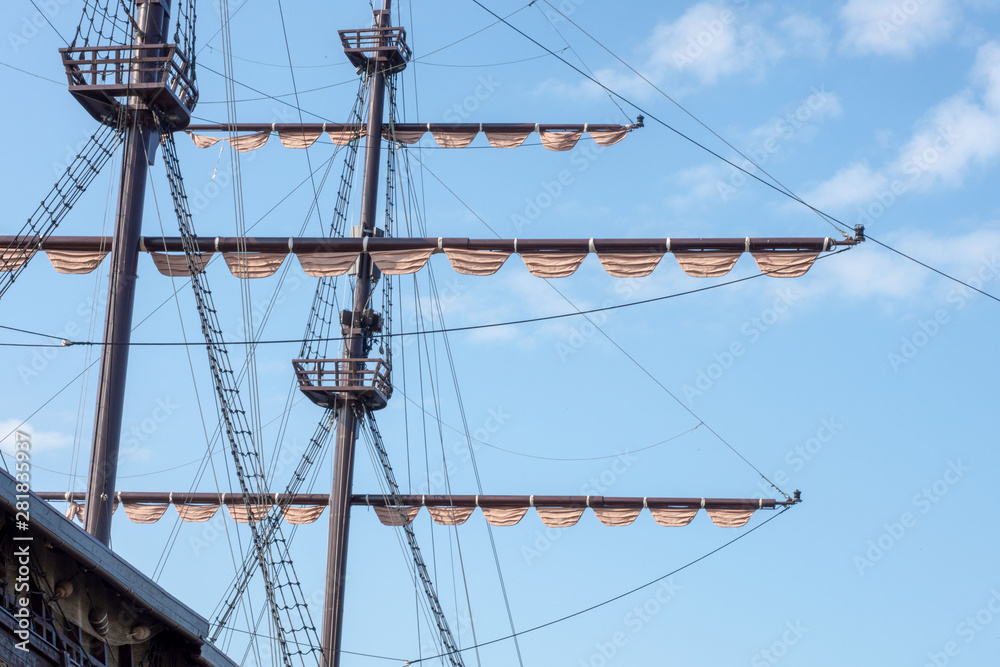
(290, 614)
(317, 445)
(447, 639)
(324, 312)
(101, 146)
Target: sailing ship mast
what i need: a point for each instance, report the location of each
(374, 52)
(160, 98)
(141, 141)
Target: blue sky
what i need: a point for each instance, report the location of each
(869, 383)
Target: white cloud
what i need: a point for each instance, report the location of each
(796, 124)
(698, 184)
(896, 27)
(853, 184)
(957, 134)
(40, 440)
(961, 131)
(707, 43)
(806, 35)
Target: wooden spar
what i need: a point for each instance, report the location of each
(309, 245)
(140, 146)
(412, 127)
(379, 500)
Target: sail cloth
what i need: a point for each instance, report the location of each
(11, 259)
(454, 138)
(177, 265)
(195, 513)
(298, 138)
(248, 514)
(553, 264)
(626, 265)
(400, 262)
(476, 262)
(559, 141)
(445, 136)
(785, 264)
(73, 262)
(542, 264)
(396, 516)
(302, 515)
(617, 516)
(402, 136)
(143, 513)
(729, 518)
(253, 264)
(507, 139)
(504, 516)
(248, 142)
(345, 135)
(707, 264)
(327, 264)
(450, 516)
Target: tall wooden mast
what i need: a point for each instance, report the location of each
(373, 52)
(133, 88)
(140, 146)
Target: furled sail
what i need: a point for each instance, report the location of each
(552, 511)
(251, 136)
(544, 258)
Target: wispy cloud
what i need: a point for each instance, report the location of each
(40, 440)
(855, 183)
(706, 44)
(957, 134)
(795, 124)
(894, 28)
(968, 124)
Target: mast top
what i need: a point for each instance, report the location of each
(383, 45)
(147, 76)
